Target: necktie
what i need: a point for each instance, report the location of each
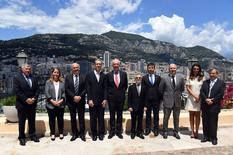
(151, 79)
(211, 86)
(28, 81)
(116, 80)
(76, 85)
(173, 81)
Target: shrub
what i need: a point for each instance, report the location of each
(8, 101)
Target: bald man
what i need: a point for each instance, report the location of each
(171, 86)
(75, 98)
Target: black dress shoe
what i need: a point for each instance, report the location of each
(165, 135)
(147, 132)
(22, 142)
(73, 137)
(35, 139)
(101, 137)
(94, 137)
(176, 135)
(53, 137)
(156, 133)
(214, 142)
(140, 136)
(83, 138)
(132, 135)
(110, 135)
(119, 135)
(204, 139)
(61, 136)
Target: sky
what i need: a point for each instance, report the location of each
(187, 23)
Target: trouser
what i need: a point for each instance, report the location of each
(80, 108)
(210, 124)
(136, 119)
(97, 115)
(115, 108)
(155, 110)
(167, 113)
(53, 114)
(30, 115)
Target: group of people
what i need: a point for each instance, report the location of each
(145, 95)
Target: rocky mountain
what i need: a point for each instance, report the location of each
(129, 47)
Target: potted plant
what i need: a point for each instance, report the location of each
(8, 106)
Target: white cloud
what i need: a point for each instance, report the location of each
(78, 16)
(173, 29)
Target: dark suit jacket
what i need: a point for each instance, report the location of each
(153, 94)
(96, 91)
(135, 101)
(23, 91)
(69, 89)
(217, 93)
(116, 95)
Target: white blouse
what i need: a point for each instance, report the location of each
(56, 86)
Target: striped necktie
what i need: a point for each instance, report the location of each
(76, 85)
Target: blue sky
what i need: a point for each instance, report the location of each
(182, 22)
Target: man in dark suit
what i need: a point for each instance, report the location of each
(97, 99)
(211, 93)
(117, 84)
(171, 86)
(153, 97)
(136, 103)
(27, 91)
(75, 96)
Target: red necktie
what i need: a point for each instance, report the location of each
(116, 80)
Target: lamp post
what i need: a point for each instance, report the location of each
(22, 58)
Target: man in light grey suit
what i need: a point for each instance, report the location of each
(171, 87)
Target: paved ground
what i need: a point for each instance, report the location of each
(151, 145)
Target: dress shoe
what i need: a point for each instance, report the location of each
(73, 137)
(101, 137)
(147, 132)
(165, 135)
(22, 142)
(53, 137)
(83, 138)
(110, 135)
(94, 137)
(156, 133)
(176, 135)
(119, 135)
(140, 136)
(132, 135)
(214, 142)
(204, 139)
(35, 139)
(61, 136)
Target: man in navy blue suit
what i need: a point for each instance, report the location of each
(27, 91)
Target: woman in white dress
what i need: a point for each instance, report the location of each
(193, 86)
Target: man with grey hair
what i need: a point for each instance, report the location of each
(171, 87)
(26, 90)
(117, 84)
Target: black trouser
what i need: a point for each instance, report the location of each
(29, 114)
(136, 118)
(210, 124)
(176, 115)
(53, 114)
(115, 108)
(97, 113)
(80, 108)
(155, 110)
